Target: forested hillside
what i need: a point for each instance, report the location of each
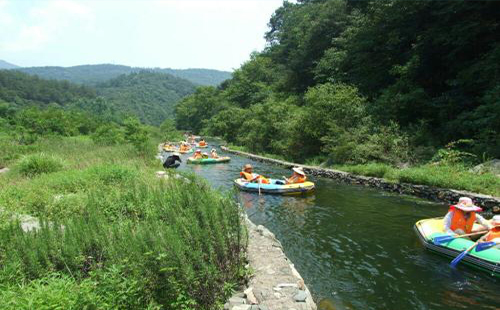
(20, 90)
(95, 74)
(364, 81)
(148, 95)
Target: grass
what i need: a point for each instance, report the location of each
(454, 177)
(113, 235)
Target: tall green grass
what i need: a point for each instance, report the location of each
(114, 236)
(445, 176)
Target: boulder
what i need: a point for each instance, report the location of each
(492, 166)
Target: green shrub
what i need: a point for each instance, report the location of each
(32, 165)
(177, 244)
(108, 134)
(51, 292)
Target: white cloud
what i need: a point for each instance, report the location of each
(43, 24)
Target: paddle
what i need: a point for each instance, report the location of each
(457, 259)
(259, 185)
(485, 245)
(443, 239)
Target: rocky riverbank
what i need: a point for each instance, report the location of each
(275, 283)
(428, 192)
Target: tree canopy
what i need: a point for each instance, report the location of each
(342, 76)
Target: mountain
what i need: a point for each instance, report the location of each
(149, 95)
(20, 89)
(7, 65)
(95, 74)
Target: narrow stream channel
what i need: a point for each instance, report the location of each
(356, 247)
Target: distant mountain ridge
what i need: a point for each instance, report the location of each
(96, 74)
(7, 65)
(151, 96)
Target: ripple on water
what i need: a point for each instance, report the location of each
(356, 246)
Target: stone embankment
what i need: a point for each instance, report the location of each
(275, 283)
(449, 196)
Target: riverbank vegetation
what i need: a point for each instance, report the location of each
(112, 234)
(349, 83)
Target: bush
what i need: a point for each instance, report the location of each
(51, 292)
(109, 134)
(33, 165)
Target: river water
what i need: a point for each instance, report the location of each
(355, 246)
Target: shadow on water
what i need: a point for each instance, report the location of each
(355, 246)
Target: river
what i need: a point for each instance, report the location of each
(355, 246)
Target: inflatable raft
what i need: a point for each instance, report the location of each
(186, 152)
(170, 149)
(205, 161)
(201, 146)
(486, 260)
(275, 188)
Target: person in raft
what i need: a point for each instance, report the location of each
(197, 155)
(298, 176)
(248, 175)
(461, 218)
(171, 161)
(202, 143)
(205, 155)
(494, 234)
(213, 153)
(184, 147)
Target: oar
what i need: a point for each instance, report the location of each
(485, 245)
(443, 239)
(457, 259)
(259, 184)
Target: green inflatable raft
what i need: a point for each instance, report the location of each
(486, 260)
(206, 161)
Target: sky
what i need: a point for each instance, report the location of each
(214, 34)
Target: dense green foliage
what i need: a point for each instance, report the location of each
(356, 82)
(95, 74)
(149, 96)
(21, 90)
(113, 236)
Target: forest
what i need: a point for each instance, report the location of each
(95, 74)
(147, 95)
(356, 82)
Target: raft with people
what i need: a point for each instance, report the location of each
(274, 187)
(252, 182)
(430, 230)
(464, 235)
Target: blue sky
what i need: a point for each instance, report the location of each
(215, 34)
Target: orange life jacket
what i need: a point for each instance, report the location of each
(297, 179)
(202, 143)
(253, 177)
(493, 234)
(458, 221)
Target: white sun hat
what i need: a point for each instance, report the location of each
(299, 170)
(495, 221)
(465, 204)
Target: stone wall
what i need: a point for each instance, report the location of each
(448, 196)
(275, 284)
